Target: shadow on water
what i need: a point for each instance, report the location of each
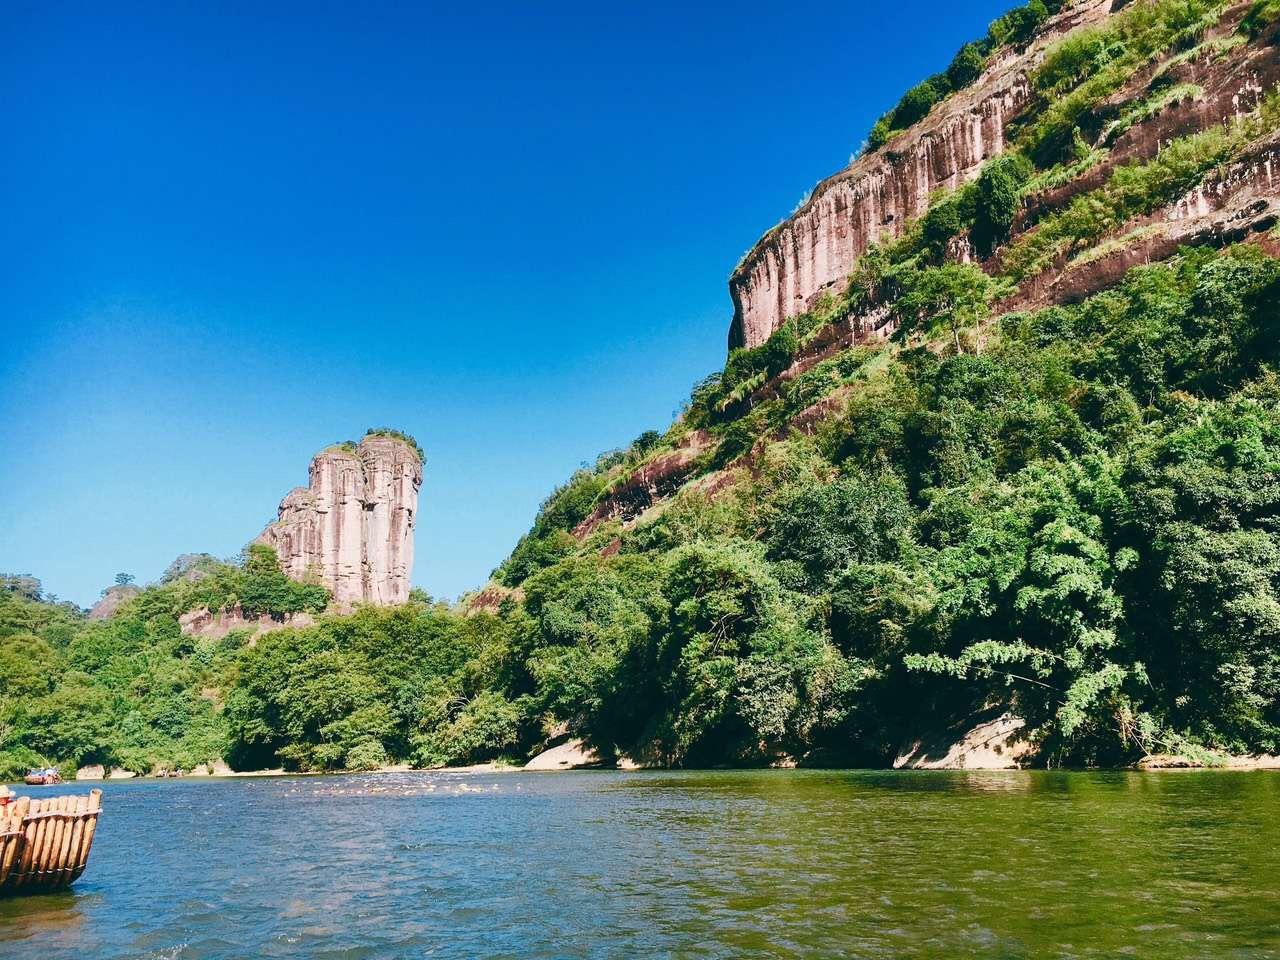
(60, 918)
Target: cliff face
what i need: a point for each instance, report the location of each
(813, 251)
(1225, 78)
(352, 526)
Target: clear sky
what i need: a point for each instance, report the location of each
(234, 233)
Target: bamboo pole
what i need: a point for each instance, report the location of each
(58, 862)
(33, 832)
(71, 844)
(13, 842)
(52, 837)
(7, 846)
(60, 835)
(61, 825)
(77, 840)
(13, 857)
(75, 862)
(90, 828)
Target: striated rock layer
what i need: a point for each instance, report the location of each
(814, 250)
(351, 528)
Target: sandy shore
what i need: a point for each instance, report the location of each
(1165, 761)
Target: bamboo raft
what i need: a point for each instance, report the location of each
(44, 844)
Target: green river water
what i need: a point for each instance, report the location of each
(656, 864)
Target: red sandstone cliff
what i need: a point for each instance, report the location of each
(813, 250)
(352, 527)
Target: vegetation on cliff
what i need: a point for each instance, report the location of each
(1013, 29)
(1078, 522)
(1071, 512)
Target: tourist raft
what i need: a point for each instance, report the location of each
(44, 844)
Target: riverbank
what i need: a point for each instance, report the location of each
(572, 755)
(1165, 761)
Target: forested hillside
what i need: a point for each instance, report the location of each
(1058, 499)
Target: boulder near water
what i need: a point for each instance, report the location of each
(570, 755)
(985, 742)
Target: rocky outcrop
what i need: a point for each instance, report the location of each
(111, 599)
(813, 251)
(215, 625)
(655, 480)
(352, 526)
(984, 743)
(489, 598)
(570, 755)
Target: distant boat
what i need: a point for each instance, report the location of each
(44, 844)
(42, 778)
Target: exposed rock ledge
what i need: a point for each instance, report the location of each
(569, 755)
(111, 599)
(1165, 761)
(206, 623)
(993, 743)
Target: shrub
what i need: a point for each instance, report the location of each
(950, 297)
(1018, 25)
(881, 133)
(915, 104)
(368, 754)
(944, 220)
(966, 67)
(397, 435)
(1261, 16)
(999, 198)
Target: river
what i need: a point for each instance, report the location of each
(688, 864)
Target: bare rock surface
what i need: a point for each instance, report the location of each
(985, 743)
(111, 599)
(352, 526)
(215, 625)
(1167, 761)
(94, 771)
(567, 756)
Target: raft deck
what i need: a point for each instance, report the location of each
(44, 843)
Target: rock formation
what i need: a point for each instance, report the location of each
(214, 625)
(352, 527)
(111, 599)
(993, 740)
(813, 251)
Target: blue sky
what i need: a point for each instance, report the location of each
(234, 233)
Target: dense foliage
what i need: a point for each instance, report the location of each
(1080, 522)
(130, 691)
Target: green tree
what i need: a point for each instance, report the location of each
(952, 297)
